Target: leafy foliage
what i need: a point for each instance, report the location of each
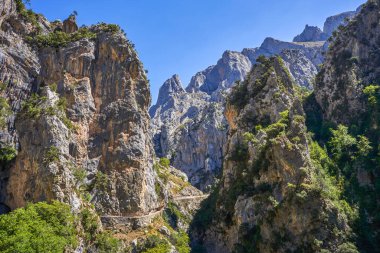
(165, 162)
(101, 180)
(372, 91)
(7, 154)
(61, 39)
(112, 28)
(154, 244)
(38, 228)
(181, 242)
(29, 15)
(341, 143)
(106, 243)
(5, 112)
(32, 108)
(351, 150)
(52, 155)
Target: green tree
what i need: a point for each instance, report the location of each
(38, 228)
(7, 154)
(372, 91)
(341, 143)
(165, 162)
(363, 146)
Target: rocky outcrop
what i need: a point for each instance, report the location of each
(189, 126)
(231, 67)
(347, 95)
(349, 67)
(332, 23)
(270, 182)
(70, 25)
(195, 143)
(80, 120)
(189, 130)
(311, 33)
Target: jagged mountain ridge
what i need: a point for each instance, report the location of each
(194, 141)
(301, 171)
(269, 180)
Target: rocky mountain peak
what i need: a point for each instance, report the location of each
(269, 43)
(171, 87)
(70, 24)
(333, 22)
(311, 33)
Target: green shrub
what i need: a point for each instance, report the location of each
(28, 15)
(52, 155)
(106, 243)
(154, 244)
(79, 175)
(239, 94)
(53, 87)
(372, 92)
(347, 248)
(7, 154)
(249, 138)
(173, 215)
(164, 162)
(60, 39)
(162, 173)
(90, 224)
(101, 180)
(112, 28)
(157, 188)
(103, 240)
(5, 112)
(31, 108)
(181, 242)
(39, 228)
(363, 146)
(341, 143)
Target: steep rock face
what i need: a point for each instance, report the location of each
(333, 22)
(181, 124)
(70, 25)
(269, 181)
(174, 130)
(190, 128)
(311, 33)
(350, 65)
(79, 107)
(231, 67)
(347, 95)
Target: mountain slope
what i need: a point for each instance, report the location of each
(272, 176)
(280, 190)
(189, 127)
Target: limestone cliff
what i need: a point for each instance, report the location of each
(79, 118)
(189, 126)
(311, 33)
(349, 67)
(346, 98)
(272, 177)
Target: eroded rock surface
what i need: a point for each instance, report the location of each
(188, 124)
(79, 117)
(270, 183)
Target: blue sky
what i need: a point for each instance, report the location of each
(186, 36)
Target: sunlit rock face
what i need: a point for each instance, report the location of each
(76, 106)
